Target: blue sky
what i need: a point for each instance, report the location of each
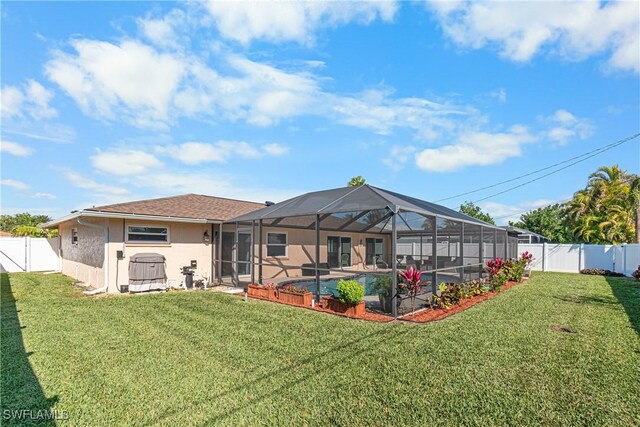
(105, 102)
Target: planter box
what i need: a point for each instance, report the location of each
(353, 310)
(260, 292)
(292, 298)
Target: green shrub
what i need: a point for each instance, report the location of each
(514, 269)
(600, 272)
(477, 287)
(382, 286)
(450, 294)
(350, 291)
(498, 280)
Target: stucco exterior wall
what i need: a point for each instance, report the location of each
(186, 243)
(301, 250)
(83, 261)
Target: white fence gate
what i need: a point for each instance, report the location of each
(19, 254)
(573, 258)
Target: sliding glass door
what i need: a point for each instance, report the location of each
(339, 251)
(373, 248)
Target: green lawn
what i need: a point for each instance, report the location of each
(203, 358)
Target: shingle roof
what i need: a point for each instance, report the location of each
(195, 206)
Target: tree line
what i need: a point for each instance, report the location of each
(26, 224)
(606, 211)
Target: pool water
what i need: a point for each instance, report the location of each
(328, 286)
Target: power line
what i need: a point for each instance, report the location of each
(609, 147)
(594, 152)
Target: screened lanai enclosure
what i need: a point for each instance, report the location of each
(365, 233)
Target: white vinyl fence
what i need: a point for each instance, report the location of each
(20, 254)
(573, 258)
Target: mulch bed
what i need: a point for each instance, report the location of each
(370, 316)
(431, 314)
(423, 316)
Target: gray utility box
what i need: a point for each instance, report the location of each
(147, 273)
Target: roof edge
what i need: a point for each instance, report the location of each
(97, 214)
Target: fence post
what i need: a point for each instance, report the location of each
(27, 254)
(544, 256)
(580, 256)
(613, 257)
(624, 258)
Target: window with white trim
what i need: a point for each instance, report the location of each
(277, 245)
(74, 236)
(147, 234)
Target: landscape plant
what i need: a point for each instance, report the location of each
(636, 274)
(497, 274)
(412, 283)
(350, 291)
(293, 289)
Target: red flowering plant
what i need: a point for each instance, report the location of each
(498, 275)
(411, 283)
(295, 290)
(494, 266)
(526, 258)
(270, 285)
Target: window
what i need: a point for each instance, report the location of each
(74, 236)
(276, 245)
(145, 234)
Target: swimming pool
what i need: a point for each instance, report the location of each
(328, 286)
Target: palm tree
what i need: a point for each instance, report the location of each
(357, 181)
(608, 209)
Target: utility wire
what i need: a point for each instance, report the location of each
(606, 148)
(593, 153)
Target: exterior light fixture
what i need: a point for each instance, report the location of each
(206, 237)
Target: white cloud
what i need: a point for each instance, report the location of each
(15, 148)
(398, 156)
(275, 149)
(564, 126)
(39, 99)
(32, 99)
(475, 148)
(220, 152)
(42, 131)
(171, 183)
(379, 111)
(124, 161)
(503, 213)
(574, 30)
(109, 81)
(297, 21)
(499, 94)
(12, 99)
(152, 89)
(45, 196)
(162, 31)
(15, 184)
(87, 184)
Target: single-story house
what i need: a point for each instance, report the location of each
(233, 241)
(96, 244)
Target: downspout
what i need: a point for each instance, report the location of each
(105, 264)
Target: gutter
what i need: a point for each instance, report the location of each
(105, 263)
